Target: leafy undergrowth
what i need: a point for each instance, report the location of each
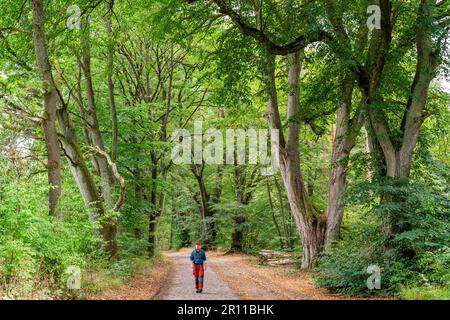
(414, 264)
(426, 293)
(37, 252)
(144, 284)
(137, 278)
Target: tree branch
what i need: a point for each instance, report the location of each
(116, 173)
(297, 44)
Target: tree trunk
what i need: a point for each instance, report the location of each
(111, 99)
(171, 229)
(345, 139)
(86, 184)
(151, 238)
(288, 226)
(50, 101)
(243, 183)
(274, 219)
(214, 199)
(107, 179)
(310, 223)
(206, 201)
(398, 154)
(237, 236)
(154, 205)
(239, 219)
(335, 207)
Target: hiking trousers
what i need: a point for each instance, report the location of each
(199, 274)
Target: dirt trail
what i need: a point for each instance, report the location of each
(238, 276)
(229, 277)
(180, 285)
(252, 281)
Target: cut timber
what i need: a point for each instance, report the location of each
(280, 262)
(275, 258)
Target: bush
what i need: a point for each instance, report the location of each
(417, 257)
(426, 293)
(343, 268)
(17, 266)
(35, 249)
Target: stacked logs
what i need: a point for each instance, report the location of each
(276, 258)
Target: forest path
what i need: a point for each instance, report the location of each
(180, 285)
(238, 276)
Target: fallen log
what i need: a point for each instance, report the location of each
(281, 262)
(272, 257)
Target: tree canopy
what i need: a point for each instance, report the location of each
(347, 102)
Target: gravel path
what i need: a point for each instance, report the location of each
(180, 285)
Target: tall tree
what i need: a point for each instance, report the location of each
(398, 142)
(96, 137)
(349, 119)
(50, 102)
(393, 140)
(244, 183)
(310, 222)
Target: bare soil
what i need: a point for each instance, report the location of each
(252, 281)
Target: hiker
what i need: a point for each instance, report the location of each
(198, 259)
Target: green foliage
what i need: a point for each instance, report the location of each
(426, 293)
(174, 62)
(33, 248)
(418, 255)
(343, 268)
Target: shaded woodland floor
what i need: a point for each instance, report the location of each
(255, 282)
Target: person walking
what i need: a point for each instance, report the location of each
(198, 259)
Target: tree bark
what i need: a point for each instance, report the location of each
(311, 223)
(274, 219)
(86, 184)
(50, 101)
(111, 99)
(345, 134)
(107, 179)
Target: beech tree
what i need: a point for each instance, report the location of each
(50, 102)
(395, 137)
(317, 228)
(310, 222)
(354, 95)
